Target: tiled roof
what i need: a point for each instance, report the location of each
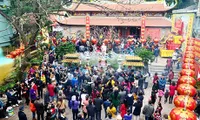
(119, 7)
(115, 21)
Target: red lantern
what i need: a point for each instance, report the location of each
(9, 56)
(188, 66)
(191, 56)
(74, 41)
(190, 48)
(84, 40)
(187, 72)
(143, 40)
(117, 41)
(187, 80)
(19, 51)
(143, 30)
(188, 60)
(14, 54)
(182, 114)
(189, 52)
(64, 40)
(186, 89)
(185, 101)
(106, 41)
(54, 38)
(22, 48)
(94, 41)
(190, 43)
(156, 40)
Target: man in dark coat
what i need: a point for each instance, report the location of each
(98, 103)
(21, 114)
(91, 111)
(39, 109)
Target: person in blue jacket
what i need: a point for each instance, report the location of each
(161, 83)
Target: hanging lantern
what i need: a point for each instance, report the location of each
(186, 89)
(187, 80)
(117, 41)
(94, 41)
(143, 30)
(185, 101)
(182, 40)
(129, 41)
(156, 40)
(188, 60)
(9, 56)
(106, 41)
(189, 52)
(190, 43)
(14, 54)
(22, 47)
(188, 66)
(64, 39)
(182, 114)
(191, 56)
(188, 72)
(84, 40)
(190, 48)
(143, 41)
(74, 41)
(18, 51)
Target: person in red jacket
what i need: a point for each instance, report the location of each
(123, 109)
(33, 109)
(172, 89)
(51, 90)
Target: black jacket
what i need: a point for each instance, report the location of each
(39, 107)
(98, 103)
(91, 110)
(22, 115)
(137, 110)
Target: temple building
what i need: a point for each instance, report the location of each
(120, 19)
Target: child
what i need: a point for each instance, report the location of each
(160, 94)
(166, 95)
(156, 115)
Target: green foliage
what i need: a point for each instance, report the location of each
(65, 48)
(9, 85)
(145, 54)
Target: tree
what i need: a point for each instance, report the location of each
(65, 48)
(146, 56)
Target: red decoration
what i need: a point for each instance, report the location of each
(185, 101)
(64, 39)
(189, 52)
(94, 41)
(84, 40)
(182, 114)
(187, 80)
(129, 41)
(188, 66)
(190, 48)
(156, 40)
(143, 40)
(9, 56)
(117, 41)
(19, 51)
(74, 41)
(188, 72)
(14, 54)
(186, 89)
(188, 60)
(106, 41)
(54, 38)
(191, 56)
(170, 40)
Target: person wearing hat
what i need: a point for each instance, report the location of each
(21, 114)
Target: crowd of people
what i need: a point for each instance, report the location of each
(53, 88)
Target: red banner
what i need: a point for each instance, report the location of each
(143, 24)
(87, 25)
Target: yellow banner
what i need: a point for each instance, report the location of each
(177, 39)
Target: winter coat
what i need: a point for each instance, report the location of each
(98, 103)
(32, 107)
(112, 111)
(22, 115)
(33, 94)
(162, 83)
(123, 110)
(91, 110)
(172, 90)
(39, 107)
(137, 110)
(127, 117)
(74, 104)
(148, 110)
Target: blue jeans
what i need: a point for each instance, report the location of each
(146, 118)
(33, 115)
